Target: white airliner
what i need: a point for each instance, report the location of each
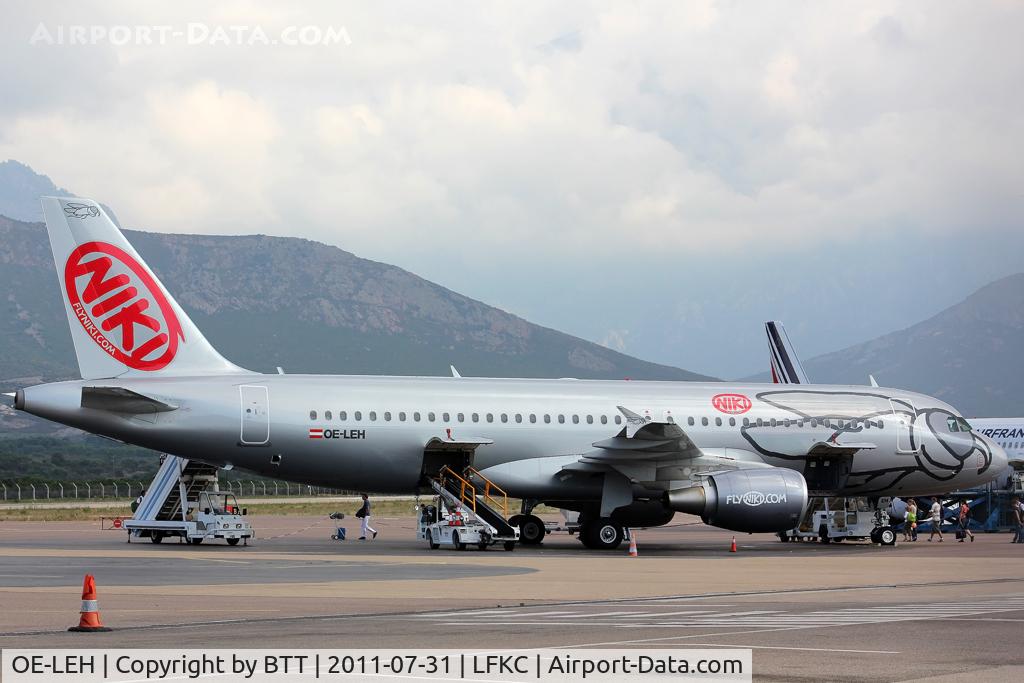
(742, 456)
(786, 368)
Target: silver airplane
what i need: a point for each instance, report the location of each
(744, 457)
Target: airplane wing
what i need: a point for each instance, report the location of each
(121, 400)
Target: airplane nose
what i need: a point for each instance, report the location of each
(1000, 460)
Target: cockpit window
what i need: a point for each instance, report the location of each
(958, 424)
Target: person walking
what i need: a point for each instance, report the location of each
(364, 515)
(964, 518)
(935, 517)
(910, 525)
(1017, 517)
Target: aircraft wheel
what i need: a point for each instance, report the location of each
(155, 537)
(531, 530)
(887, 536)
(434, 545)
(602, 534)
(233, 541)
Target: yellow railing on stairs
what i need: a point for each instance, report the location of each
(494, 496)
(489, 485)
(467, 492)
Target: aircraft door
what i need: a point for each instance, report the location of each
(902, 411)
(255, 415)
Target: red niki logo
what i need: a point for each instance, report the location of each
(127, 300)
(732, 404)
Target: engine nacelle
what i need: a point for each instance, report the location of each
(753, 500)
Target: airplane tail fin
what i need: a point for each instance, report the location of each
(785, 364)
(123, 322)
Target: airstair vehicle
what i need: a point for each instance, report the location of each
(465, 513)
(183, 501)
(831, 520)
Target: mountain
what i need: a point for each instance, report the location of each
(308, 307)
(20, 189)
(970, 355)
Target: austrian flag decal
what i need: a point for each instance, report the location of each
(121, 307)
(316, 433)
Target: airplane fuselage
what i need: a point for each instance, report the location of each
(370, 433)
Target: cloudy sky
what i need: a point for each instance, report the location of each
(659, 179)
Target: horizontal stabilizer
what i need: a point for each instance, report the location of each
(120, 400)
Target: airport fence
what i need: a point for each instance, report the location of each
(16, 491)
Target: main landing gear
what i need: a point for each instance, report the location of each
(531, 528)
(601, 533)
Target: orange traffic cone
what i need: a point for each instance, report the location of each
(732, 548)
(90, 619)
(632, 543)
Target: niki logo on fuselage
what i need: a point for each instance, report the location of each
(321, 433)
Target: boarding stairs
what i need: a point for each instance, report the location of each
(477, 497)
(177, 480)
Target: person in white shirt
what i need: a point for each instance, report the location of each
(936, 520)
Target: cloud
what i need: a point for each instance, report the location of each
(469, 145)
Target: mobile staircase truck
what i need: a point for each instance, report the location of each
(183, 501)
(831, 520)
(465, 513)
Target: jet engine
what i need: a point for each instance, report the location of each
(753, 500)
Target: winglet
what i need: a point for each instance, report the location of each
(455, 373)
(872, 379)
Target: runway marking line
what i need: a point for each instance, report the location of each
(802, 649)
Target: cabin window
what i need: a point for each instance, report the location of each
(618, 419)
(312, 415)
(746, 422)
(461, 417)
(373, 416)
(575, 419)
(718, 422)
(547, 419)
(358, 415)
(604, 419)
(760, 422)
(342, 415)
(446, 417)
(401, 417)
(476, 417)
(504, 417)
(773, 423)
(387, 416)
(690, 421)
(519, 418)
(415, 417)
(490, 417)
(533, 418)
(327, 415)
(561, 419)
(732, 421)
(430, 417)
(704, 421)
(590, 419)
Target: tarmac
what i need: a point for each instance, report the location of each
(810, 612)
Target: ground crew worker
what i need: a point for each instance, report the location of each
(965, 518)
(364, 515)
(936, 520)
(138, 501)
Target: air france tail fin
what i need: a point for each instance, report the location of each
(785, 364)
(123, 322)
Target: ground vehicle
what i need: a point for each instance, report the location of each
(451, 524)
(212, 515)
(837, 519)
